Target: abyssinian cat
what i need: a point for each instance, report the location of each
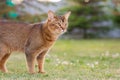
(35, 40)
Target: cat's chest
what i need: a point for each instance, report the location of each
(45, 47)
(48, 45)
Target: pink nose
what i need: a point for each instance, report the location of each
(62, 30)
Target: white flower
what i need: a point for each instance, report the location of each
(91, 65)
(107, 53)
(115, 55)
(65, 63)
(96, 63)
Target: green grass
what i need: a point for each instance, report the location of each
(72, 60)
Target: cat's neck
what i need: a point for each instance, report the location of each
(48, 36)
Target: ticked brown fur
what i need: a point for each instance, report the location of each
(35, 40)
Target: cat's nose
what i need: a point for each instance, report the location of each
(62, 30)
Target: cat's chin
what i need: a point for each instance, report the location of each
(59, 33)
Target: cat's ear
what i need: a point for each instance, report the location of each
(67, 15)
(51, 14)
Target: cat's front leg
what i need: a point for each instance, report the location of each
(40, 60)
(30, 62)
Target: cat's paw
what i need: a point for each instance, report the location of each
(31, 72)
(4, 70)
(42, 72)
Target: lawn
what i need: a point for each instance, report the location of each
(72, 60)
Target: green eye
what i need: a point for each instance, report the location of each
(52, 24)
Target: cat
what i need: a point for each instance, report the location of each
(35, 40)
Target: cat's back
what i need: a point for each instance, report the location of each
(13, 25)
(14, 34)
(16, 28)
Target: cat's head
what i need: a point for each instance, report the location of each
(57, 24)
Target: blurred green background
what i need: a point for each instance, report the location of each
(89, 18)
(94, 56)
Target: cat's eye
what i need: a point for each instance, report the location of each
(52, 24)
(57, 27)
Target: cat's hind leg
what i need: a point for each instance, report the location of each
(3, 63)
(4, 54)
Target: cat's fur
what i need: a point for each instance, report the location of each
(34, 40)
